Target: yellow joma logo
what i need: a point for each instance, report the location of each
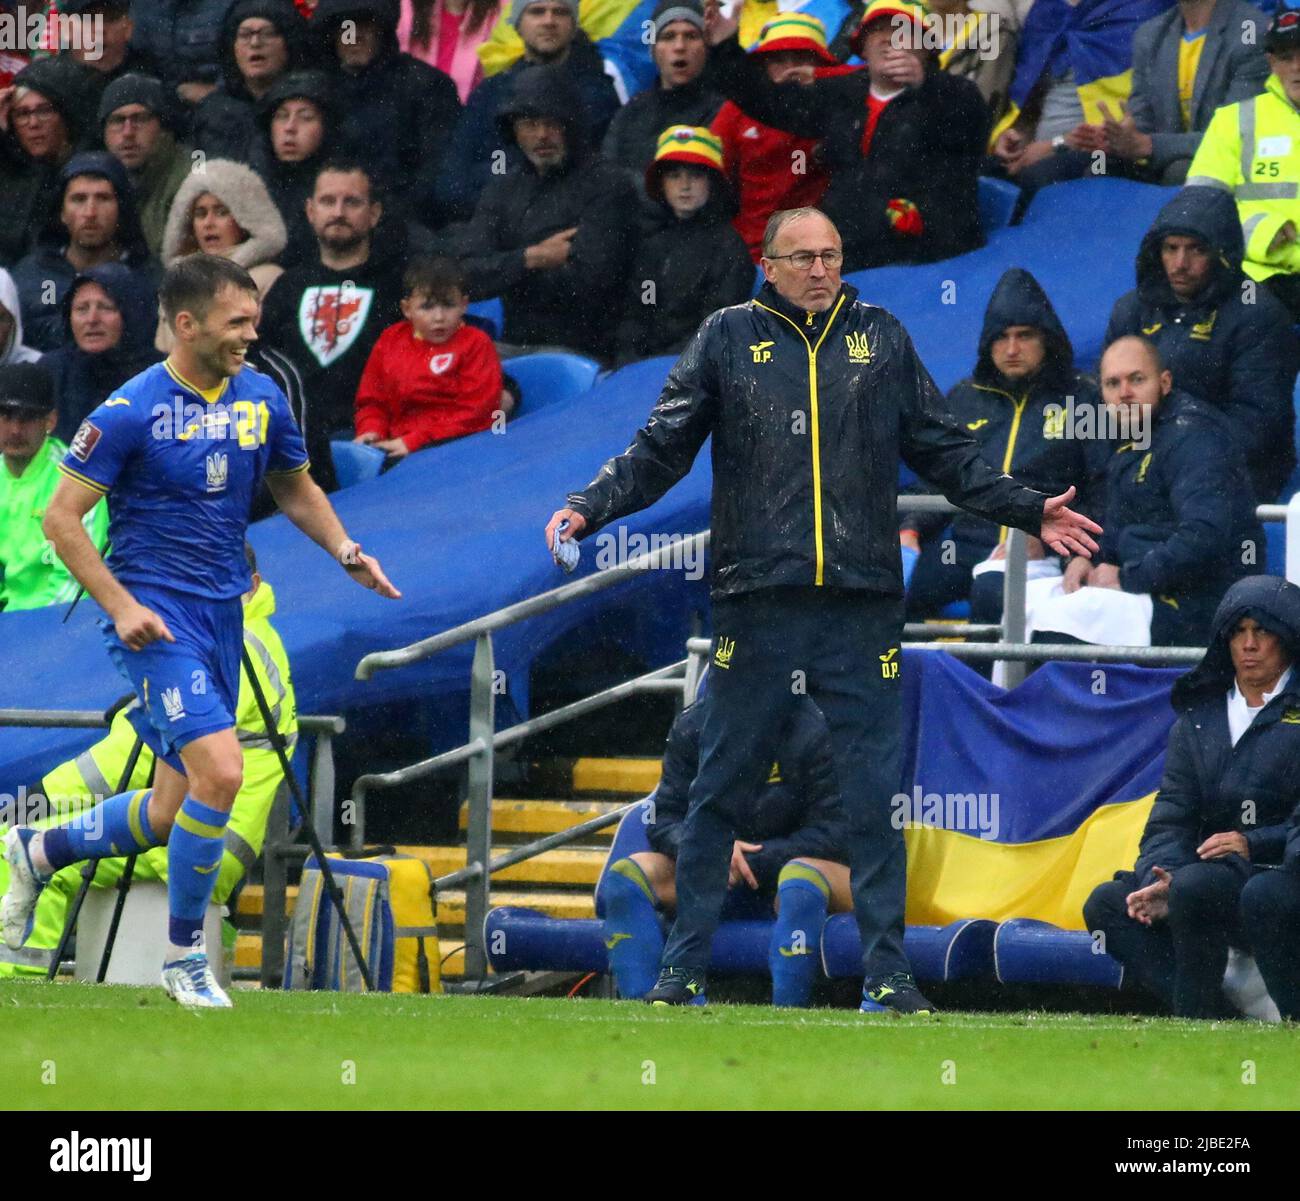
(974, 425)
(761, 352)
(614, 939)
(859, 348)
(1291, 717)
(726, 648)
(889, 664)
(1141, 477)
(774, 776)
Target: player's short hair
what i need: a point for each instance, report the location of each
(344, 165)
(192, 284)
(780, 219)
(438, 277)
(250, 556)
(1153, 351)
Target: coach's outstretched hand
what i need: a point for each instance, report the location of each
(577, 523)
(1064, 530)
(137, 627)
(366, 571)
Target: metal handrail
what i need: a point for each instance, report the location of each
(533, 606)
(93, 719)
(662, 679)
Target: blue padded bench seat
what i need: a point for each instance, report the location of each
(1032, 952)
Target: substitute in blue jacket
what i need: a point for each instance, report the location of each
(1033, 415)
(1226, 340)
(1205, 878)
(810, 395)
(789, 853)
(1180, 513)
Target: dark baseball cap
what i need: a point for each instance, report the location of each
(26, 389)
(1283, 31)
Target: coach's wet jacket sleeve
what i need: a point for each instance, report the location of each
(665, 447)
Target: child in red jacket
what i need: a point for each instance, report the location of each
(431, 377)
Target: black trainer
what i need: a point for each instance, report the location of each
(895, 994)
(677, 986)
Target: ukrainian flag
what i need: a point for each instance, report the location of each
(1017, 804)
(1094, 39)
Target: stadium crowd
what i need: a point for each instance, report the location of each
(378, 165)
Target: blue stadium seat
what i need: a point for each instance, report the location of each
(1032, 952)
(354, 462)
(997, 203)
(548, 378)
(490, 316)
(961, 950)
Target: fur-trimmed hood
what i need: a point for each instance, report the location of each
(242, 191)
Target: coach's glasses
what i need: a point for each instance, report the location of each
(802, 260)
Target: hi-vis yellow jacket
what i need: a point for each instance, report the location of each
(1252, 149)
(80, 782)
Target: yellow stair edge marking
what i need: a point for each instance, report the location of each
(248, 950)
(451, 905)
(252, 900)
(639, 776)
(543, 817)
(564, 866)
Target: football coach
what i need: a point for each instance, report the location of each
(811, 396)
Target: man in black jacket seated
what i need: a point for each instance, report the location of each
(788, 854)
(398, 113)
(1226, 340)
(1034, 416)
(1180, 517)
(810, 395)
(902, 140)
(1219, 822)
(554, 235)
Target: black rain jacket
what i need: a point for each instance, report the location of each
(1028, 427)
(1239, 357)
(809, 413)
(1208, 782)
(1180, 519)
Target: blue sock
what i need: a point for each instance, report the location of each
(795, 952)
(193, 857)
(117, 826)
(633, 937)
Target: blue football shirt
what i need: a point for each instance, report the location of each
(180, 467)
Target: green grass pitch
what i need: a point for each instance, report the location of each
(63, 1046)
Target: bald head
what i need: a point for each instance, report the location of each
(1132, 373)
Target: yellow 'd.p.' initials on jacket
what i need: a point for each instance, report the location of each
(1252, 149)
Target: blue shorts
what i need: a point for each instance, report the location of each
(187, 688)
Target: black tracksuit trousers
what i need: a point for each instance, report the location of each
(841, 647)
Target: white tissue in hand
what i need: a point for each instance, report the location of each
(566, 553)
